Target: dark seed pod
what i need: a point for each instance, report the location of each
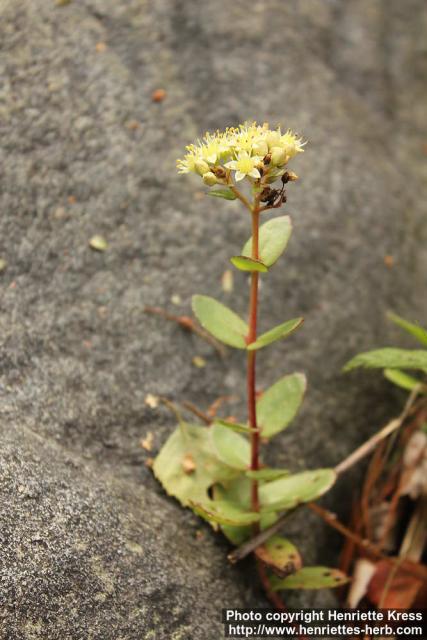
(220, 172)
(265, 194)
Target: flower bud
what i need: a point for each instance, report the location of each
(272, 139)
(209, 178)
(278, 156)
(292, 177)
(260, 148)
(201, 167)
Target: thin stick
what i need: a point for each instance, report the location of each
(332, 520)
(197, 412)
(188, 323)
(370, 444)
(247, 547)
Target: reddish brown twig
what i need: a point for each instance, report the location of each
(274, 597)
(369, 445)
(197, 412)
(212, 410)
(330, 518)
(188, 323)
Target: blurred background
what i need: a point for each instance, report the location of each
(97, 100)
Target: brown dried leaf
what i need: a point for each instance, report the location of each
(393, 588)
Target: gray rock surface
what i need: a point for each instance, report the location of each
(90, 545)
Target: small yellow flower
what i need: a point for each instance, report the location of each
(242, 150)
(245, 165)
(291, 144)
(188, 163)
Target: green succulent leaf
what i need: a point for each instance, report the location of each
(267, 474)
(220, 321)
(277, 333)
(280, 555)
(280, 403)
(402, 379)
(224, 513)
(234, 426)
(248, 264)
(286, 493)
(414, 329)
(310, 578)
(238, 494)
(186, 466)
(239, 535)
(389, 358)
(227, 194)
(230, 447)
(273, 239)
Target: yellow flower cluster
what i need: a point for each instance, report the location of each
(243, 150)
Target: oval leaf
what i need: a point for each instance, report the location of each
(310, 578)
(280, 403)
(280, 555)
(190, 442)
(287, 493)
(279, 332)
(390, 358)
(273, 238)
(414, 329)
(227, 194)
(238, 494)
(230, 447)
(402, 379)
(248, 264)
(224, 513)
(220, 321)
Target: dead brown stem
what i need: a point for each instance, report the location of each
(188, 323)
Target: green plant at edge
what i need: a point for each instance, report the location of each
(216, 470)
(395, 362)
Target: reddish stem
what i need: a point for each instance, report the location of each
(251, 367)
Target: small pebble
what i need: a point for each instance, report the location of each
(199, 362)
(147, 442)
(158, 95)
(151, 401)
(98, 243)
(227, 281)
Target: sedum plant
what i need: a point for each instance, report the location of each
(217, 470)
(396, 362)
